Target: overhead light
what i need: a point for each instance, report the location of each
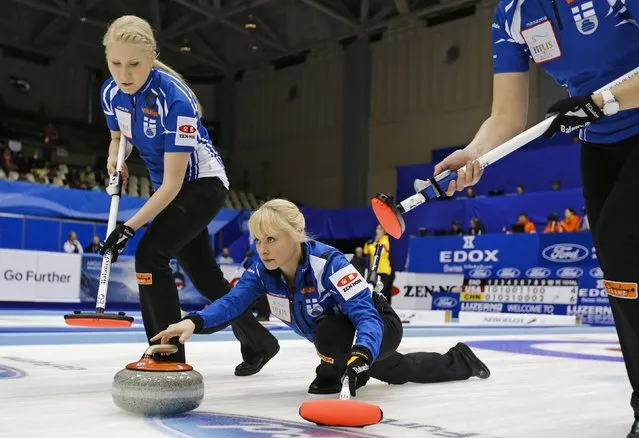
(83, 19)
(250, 23)
(185, 47)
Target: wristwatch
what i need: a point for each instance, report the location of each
(610, 104)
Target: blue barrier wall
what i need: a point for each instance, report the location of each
(495, 212)
(535, 169)
(40, 200)
(49, 234)
(39, 217)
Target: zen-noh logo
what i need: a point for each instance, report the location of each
(538, 272)
(565, 253)
(508, 273)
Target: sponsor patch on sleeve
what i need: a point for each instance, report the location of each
(348, 281)
(619, 289)
(186, 132)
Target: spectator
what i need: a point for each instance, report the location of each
(36, 161)
(553, 225)
(470, 192)
(50, 134)
(520, 189)
(456, 229)
(21, 163)
(556, 185)
(72, 246)
(384, 269)
(92, 248)
(225, 257)
(359, 261)
(571, 222)
(476, 227)
(6, 162)
(525, 224)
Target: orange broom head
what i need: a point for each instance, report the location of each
(99, 320)
(341, 413)
(387, 214)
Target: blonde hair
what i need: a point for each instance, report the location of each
(133, 29)
(278, 215)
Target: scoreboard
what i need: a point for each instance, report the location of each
(521, 290)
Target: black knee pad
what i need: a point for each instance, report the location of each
(149, 257)
(613, 253)
(334, 337)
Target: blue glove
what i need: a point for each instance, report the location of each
(116, 241)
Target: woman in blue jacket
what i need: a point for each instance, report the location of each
(315, 290)
(150, 104)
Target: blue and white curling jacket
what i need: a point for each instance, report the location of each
(325, 284)
(163, 117)
(582, 44)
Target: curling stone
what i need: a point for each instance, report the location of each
(158, 388)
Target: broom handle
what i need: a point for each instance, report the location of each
(346, 392)
(428, 192)
(115, 186)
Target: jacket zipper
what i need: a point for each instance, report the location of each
(291, 301)
(557, 16)
(301, 308)
(135, 110)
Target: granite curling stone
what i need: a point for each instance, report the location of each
(158, 388)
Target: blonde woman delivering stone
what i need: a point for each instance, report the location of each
(315, 290)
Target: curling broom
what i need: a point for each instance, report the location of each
(99, 318)
(345, 412)
(390, 214)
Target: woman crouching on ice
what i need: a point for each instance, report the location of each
(321, 296)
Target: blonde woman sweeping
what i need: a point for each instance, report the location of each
(161, 117)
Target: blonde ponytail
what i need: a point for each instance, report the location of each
(162, 66)
(133, 29)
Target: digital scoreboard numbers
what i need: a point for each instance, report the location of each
(523, 290)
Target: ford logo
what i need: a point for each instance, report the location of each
(596, 272)
(480, 273)
(565, 253)
(538, 273)
(570, 272)
(508, 273)
(445, 302)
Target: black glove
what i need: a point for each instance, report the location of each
(573, 113)
(358, 368)
(116, 241)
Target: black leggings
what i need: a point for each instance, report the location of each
(334, 339)
(388, 286)
(610, 176)
(180, 231)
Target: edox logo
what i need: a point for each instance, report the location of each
(469, 242)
